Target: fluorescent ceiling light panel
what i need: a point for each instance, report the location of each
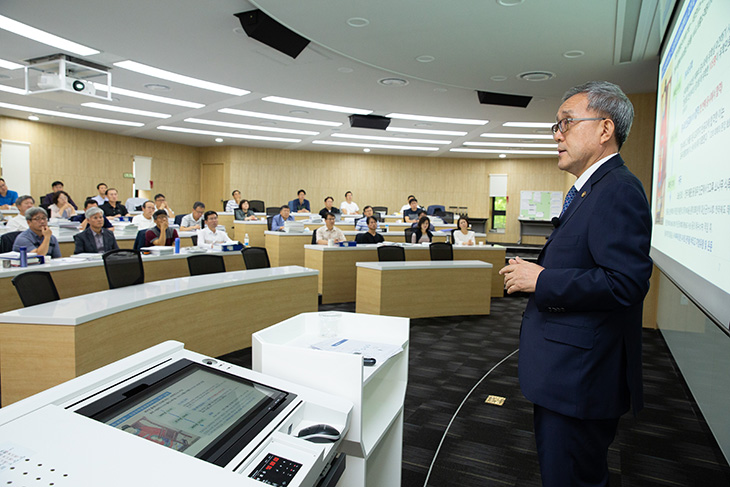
(512, 144)
(149, 97)
(41, 111)
(179, 78)
(316, 106)
(250, 127)
(518, 136)
(373, 146)
(9, 64)
(281, 118)
(426, 131)
(529, 125)
(226, 134)
(10, 89)
(500, 151)
(392, 139)
(44, 37)
(131, 111)
(428, 118)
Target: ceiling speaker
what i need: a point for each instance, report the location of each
(264, 29)
(503, 99)
(369, 122)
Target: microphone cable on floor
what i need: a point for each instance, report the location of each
(435, 455)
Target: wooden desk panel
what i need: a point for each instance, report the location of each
(255, 233)
(286, 249)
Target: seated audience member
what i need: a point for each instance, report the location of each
(244, 211)
(194, 220)
(462, 235)
(7, 197)
(113, 208)
(407, 205)
(211, 235)
(96, 238)
(300, 205)
(329, 231)
(362, 223)
(161, 204)
(328, 208)
(348, 206)
(61, 208)
(101, 197)
(413, 213)
(90, 203)
(161, 234)
(18, 223)
(231, 205)
(38, 238)
(56, 187)
(277, 223)
(145, 221)
(423, 233)
(371, 236)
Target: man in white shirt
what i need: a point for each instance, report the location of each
(210, 235)
(145, 221)
(348, 206)
(194, 220)
(101, 197)
(329, 231)
(19, 223)
(161, 204)
(231, 205)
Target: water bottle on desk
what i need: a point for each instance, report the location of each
(177, 245)
(23, 256)
(245, 240)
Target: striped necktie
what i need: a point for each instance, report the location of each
(569, 198)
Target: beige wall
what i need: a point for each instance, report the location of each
(84, 158)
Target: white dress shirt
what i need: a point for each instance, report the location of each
(208, 238)
(17, 223)
(142, 222)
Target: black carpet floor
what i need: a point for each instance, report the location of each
(669, 444)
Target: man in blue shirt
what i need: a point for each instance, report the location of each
(413, 213)
(38, 238)
(277, 223)
(300, 205)
(362, 223)
(7, 197)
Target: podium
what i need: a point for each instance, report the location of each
(374, 442)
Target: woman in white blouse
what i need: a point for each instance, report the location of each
(61, 208)
(462, 235)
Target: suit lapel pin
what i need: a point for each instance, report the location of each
(583, 194)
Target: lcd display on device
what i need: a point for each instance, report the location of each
(197, 410)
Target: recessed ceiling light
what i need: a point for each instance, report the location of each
(366, 149)
(498, 78)
(157, 87)
(179, 78)
(131, 111)
(378, 146)
(44, 37)
(34, 118)
(218, 139)
(425, 59)
(298, 112)
(573, 54)
(393, 82)
(226, 134)
(10, 89)
(345, 70)
(9, 64)
(315, 105)
(502, 156)
(509, 3)
(425, 131)
(500, 151)
(69, 115)
(149, 97)
(357, 22)
(392, 139)
(529, 125)
(512, 144)
(428, 118)
(282, 118)
(516, 136)
(243, 126)
(536, 75)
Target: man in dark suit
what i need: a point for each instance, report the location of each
(580, 341)
(96, 238)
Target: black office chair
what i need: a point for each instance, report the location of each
(139, 240)
(178, 219)
(199, 265)
(447, 216)
(314, 237)
(7, 240)
(257, 206)
(441, 251)
(409, 234)
(432, 209)
(391, 253)
(256, 258)
(123, 267)
(225, 203)
(377, 209)
(269, 219)
(272, 210)
(35, 287)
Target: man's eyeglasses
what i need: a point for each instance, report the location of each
(563, 124)
(40, 219)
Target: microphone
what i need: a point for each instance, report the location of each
(555, 221)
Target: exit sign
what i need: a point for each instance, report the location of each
(128, 175)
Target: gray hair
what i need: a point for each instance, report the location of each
(93, 211)
(35, 211)
(23, 198)
(607, 99)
